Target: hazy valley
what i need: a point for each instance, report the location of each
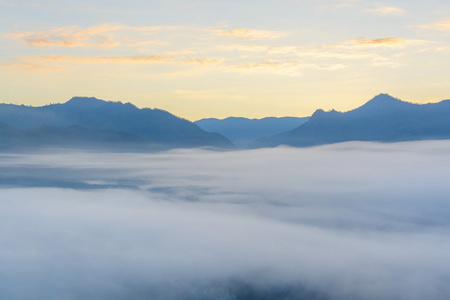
(102, 200)
(353, 220)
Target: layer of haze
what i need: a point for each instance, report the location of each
(351, 221)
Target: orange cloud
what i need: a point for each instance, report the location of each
(204, 61)
(387, 10)
(385, 41)
(105, 35)
(444, 25)
(71, 36)
(250, 34)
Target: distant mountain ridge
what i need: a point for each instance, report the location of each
(96, 120)
(384, 119)
(94, 123)
(242, 131)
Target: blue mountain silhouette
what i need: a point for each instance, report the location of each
(242, 131)
(95, 122)
(383, 118)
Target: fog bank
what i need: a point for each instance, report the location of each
(346, 221)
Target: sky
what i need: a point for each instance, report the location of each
(354, 220)
(210, 58)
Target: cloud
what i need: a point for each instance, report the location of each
(269, 64)
(350, 221)
(112, 35)
(443, 25)
(262, 58)
(272, 67)
(291, 60)
(249, 34)
(71, 36)
(245, 48)
(204, 61)
(101, 59)
(29, 67)
(348, 49)
(340, 51)
(105, 35)
(385, 41)
(387, 10)
(286, 68)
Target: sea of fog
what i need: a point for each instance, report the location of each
(347, 221)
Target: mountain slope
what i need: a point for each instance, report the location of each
(383, 118)
(242, 131)
(154, 125)
(19, 139)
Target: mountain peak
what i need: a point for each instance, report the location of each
(156, 127)
(85, 101)
(384, 98)
(78, 99)
(318, 112)
(382, 103)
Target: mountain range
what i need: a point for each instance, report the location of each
(242, 131)
(90, 122)
(383, 119)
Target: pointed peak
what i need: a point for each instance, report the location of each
(318, 112)
(382, 103)
(384, 98)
